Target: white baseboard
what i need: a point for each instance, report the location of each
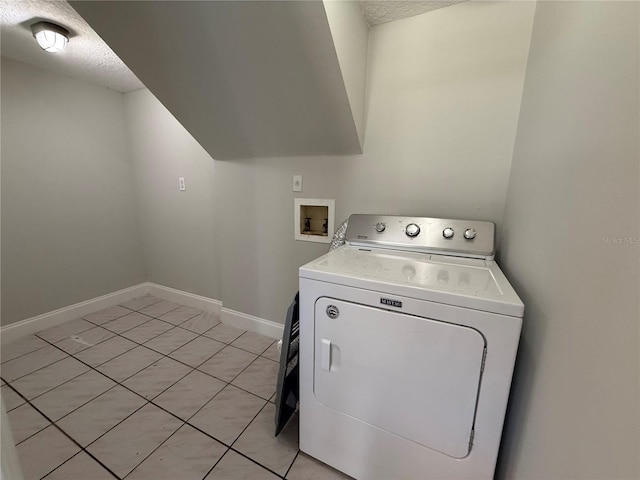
(249, 322)
(228, 316)
(13, 331)
(205, 304)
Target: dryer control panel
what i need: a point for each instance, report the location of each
(462, 238)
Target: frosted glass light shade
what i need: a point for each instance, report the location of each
(50, 37)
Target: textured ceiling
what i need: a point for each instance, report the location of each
(86, 57)
(383, 11)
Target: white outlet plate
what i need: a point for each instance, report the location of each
(297, 183)
(181, 184)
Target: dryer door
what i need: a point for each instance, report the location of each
(414, 377)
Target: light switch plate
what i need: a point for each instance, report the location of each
(297, 183)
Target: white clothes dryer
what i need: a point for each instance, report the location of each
(408, 338)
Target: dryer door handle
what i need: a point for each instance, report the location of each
(325, 354)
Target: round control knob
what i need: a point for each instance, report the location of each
(469, 234)
(380, 227)
(448, 232)
(412, 230)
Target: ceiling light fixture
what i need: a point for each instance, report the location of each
(50, 37)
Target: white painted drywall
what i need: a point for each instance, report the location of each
(350, 34)
(442, 109)
(441, 148)
(259, 257)
(69, 230)
(571, 247)
(178, 228)
(248, 79)
(443, 101)
(443, 104)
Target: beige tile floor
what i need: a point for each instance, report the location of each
(149, 390)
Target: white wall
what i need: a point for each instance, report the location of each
(350, 34)
(259, 258)
(575, 407)
(443, 103)
(248, 79)
(178, 228)
(442, 107)
(69, 230)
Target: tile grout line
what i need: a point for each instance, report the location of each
(184, 321)
(137, 344)
(80, 406)
(116, 334)
(150, 401)
(147, 401)
(162, 443)
(198, 335)
(92, 322)
(259, 354)
(152, 303)
(42, 368)
(26, 402)
(216, 463)
(186, 422)
(84, 449)
(142, 325)
(173, 325)
(203, 362)
(77, 408)
(29, 402)
(73, 355)
(14, 390)
(20, 356)
(229, 382)
(93, 325)
(294, 461)
(35, 334)
(246, 456)
(179, 325)
(102, 325)
(169, 357)
(4, 379)
(74, 456)
(57, 427)
(230, 447)
(206, 331)
(255, 416)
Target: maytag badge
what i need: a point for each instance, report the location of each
(390, 302)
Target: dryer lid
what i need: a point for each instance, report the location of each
(464, 282)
